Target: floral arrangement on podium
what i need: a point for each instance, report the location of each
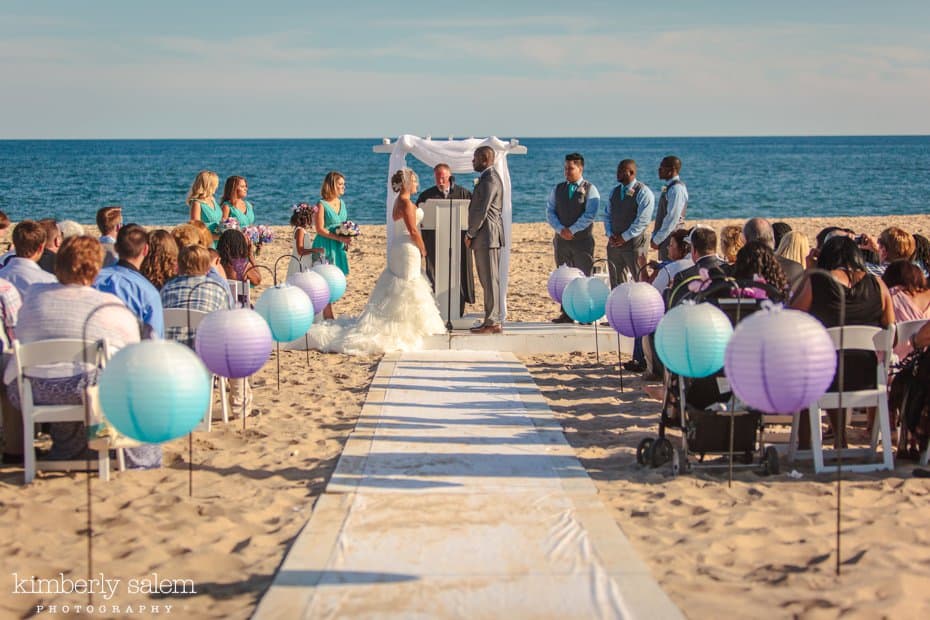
(259, 235)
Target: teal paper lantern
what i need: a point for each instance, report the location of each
(691, 339)
(155, 391)
(335, 279)
(584, 299)
(287, 310)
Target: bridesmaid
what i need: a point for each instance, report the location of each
(234, 203)
(203, 205)
(330, 214)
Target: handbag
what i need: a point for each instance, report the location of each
(909, 393)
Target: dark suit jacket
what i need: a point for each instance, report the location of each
(712, 263)
(457, 192)
(485, 223)
(793, 271)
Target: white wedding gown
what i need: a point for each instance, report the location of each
(400, 311)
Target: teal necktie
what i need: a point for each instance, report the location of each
(571, 190)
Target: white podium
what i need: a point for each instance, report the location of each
(448, 218)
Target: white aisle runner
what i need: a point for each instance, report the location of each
(457, 496)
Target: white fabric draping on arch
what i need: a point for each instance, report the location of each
(458, 154)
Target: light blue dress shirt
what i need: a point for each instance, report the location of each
(139, 295)
(586, 219)
(677, 196)
(645, 205)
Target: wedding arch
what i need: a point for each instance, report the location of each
(458, 154)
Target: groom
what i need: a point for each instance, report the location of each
(485, 236)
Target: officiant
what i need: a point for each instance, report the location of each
(446, 189)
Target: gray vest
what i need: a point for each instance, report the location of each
(569, 210)
(623, 208)
(663, 208)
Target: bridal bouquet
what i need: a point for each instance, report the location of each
(259, 235)
(348, 229)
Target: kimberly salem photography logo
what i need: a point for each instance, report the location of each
(103, 589)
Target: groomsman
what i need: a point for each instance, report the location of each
(485, 236)
(570, 210)
(626, 217)
(673, 203)
(446, 189)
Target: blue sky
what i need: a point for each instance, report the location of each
(168, 69)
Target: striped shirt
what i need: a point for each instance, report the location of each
(191, 292)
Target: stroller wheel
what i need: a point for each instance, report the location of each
(643, 451)
(771, 466)
(662, 451)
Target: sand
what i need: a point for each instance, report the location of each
(762, 548)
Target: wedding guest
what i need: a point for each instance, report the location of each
(679, 253)
(672, 206)
(53, 239)
(126, 281)
(23, 269)
(187, 290)
(236, 257)
(703, 242)
(892, 244)
(161, 262)
(626, 216)
(755, 261)
(331, 213)
(206, 237)
(4, 225)
(794, 247)
(922, 253)
(866, 300)
(234, 204)
(759, 229)
(189, 234)
(8, 252)
(70, 228)
(571, 209)
(70, 308)
(302, 220)
(780, 229)
(109, 220)
(910, 296)
(202, 202)
(446, 189)
(731, 240)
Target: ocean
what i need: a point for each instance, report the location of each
(774, 177)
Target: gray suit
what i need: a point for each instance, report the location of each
(486, 231)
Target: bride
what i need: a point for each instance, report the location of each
(401, 309)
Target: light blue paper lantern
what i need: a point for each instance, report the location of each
(287, 310)
(691, 339)
(155, 391)
(584, 299)
(335, 279)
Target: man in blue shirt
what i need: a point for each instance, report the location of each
(626, 217)
(570, 210)
(126, 281)
(673, 204)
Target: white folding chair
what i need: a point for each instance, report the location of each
(59, 350)
(240, 294)
(179, 317)
(855, 338)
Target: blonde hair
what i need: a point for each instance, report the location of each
(328, 189)
(794, 246)
(193, 260)
(206, 237)
(204, 186)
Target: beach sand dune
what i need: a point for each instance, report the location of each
(761, 549)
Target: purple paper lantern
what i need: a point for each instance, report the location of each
(560, 278)
(314, 285)
(780, 361)
(634, 309)
(233, 343)
(691, 339)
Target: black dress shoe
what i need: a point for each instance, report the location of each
(563, 318)
(634, 366)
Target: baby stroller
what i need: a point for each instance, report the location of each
(708, 418)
